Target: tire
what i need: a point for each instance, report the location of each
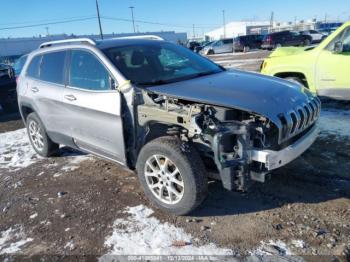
(39, 140)
(295, 79)
(210, 52)
(246, 49)
(306, 42)
(277, 46)
(191, 173)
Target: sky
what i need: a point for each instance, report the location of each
(154, 15)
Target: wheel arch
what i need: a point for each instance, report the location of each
(299, 75)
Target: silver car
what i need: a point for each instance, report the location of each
(170, 114)
(218, 47)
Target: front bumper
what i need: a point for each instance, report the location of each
(335, 93)
(276, 159)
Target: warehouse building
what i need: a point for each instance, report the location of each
(234, 29)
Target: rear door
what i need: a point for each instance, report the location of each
(93, 106)
(45, 81)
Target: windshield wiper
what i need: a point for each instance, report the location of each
(154, 83)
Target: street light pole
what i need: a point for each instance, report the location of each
(224, 22)
(99, 19)
(132, 17)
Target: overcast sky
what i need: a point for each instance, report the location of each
(154, 15)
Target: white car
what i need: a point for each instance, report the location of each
(316, 36)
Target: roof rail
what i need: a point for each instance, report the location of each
(149, 37)
(66, 41)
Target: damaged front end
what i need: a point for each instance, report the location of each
(235, 145)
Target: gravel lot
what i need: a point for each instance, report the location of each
(76, 204)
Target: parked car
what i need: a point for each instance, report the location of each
(285, 38)
(316, 36)
(170, 114)
(202, 45)
(247, 42)
(328, 31)
(218, 47)
(8, 95)
(323, 69)
(18, 65)
(193, 45)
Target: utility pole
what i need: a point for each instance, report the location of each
(99, 19)
(325, 18)
(271, 21)
(224, 22)
(132, 17)
(194, 32)
(47, 31)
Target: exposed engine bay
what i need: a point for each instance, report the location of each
(222, 136)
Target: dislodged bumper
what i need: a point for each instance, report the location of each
(276, 159)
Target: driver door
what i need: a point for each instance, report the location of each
(93, 107)
(332, 69)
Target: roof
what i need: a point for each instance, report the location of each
(109, 43)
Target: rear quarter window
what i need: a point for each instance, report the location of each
(33, 68)
(52, 67)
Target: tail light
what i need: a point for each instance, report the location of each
(269, 39)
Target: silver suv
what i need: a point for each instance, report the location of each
(172, 115)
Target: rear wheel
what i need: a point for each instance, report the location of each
(246, 49)
(172, 175)
(306, 42)
(211, 52)
(38, 137)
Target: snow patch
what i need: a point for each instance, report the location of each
(299, 243)
(335, 122)
(16, 151)
(277, 247)
(33, 216)
(12, 240)
(141, 234)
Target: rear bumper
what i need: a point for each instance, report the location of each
(277, 159)
(335, 93)
(267, 46)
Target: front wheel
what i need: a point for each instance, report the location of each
(172, 175)
(306, 42)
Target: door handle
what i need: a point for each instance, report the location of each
(70, 97)
(35, 89)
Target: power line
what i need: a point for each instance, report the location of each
(52, 23)
(46, 20)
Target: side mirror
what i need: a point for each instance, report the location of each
(338, 47)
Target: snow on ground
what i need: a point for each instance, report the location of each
(16, 153)
(141, 234)
(335, 122)
(11, 240)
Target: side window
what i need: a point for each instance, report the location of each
(87, 72)
(52, 67)
(346, 41)
(33, 68)
(344, 37)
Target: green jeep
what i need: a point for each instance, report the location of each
(324, 69)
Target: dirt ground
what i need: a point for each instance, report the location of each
(305, 205)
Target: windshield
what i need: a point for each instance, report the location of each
(156, 63)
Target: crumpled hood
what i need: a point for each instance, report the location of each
(251, 92)
(287, 51)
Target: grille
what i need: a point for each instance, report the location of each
(299, 119)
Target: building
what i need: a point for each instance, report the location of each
(234, 29)
(14, 47)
